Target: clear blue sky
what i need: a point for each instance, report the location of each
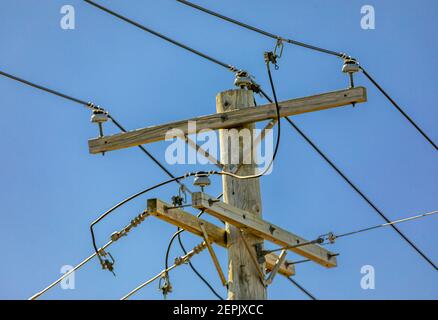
(51, 188)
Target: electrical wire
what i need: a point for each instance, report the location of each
(306, 292)
(412, 122)
(155, 160)
(330, 52)
(135, 222)
(121, 203)
(359, 192)
(117, 124)
(229, 67)
(277, 143)
(155, 33)
(57, 93)
(355, 188)
(197, 272)
(91, 106)
(178, 262)
(65, 275)
(263, 32)
(391, 223)
(330, 238)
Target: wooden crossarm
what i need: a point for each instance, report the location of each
(229, 119)
(262, 229)
(191, 223)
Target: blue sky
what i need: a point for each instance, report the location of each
(51, 188)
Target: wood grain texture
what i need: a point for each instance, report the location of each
(229, 118)
(243, 275)
(245, 220)
(190, 223)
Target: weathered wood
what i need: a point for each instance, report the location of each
(243, 276)
(276, 267)
(268, 231)
(189, 222)
(286, 268)
(229, 118)
(213, 254)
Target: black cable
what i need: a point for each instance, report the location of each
(118, 205)
(62, 95)
(155, 33)
(158, 163)
(355, 188)
(178, 233)
(169, 246)
(311, 296)
(260, 31)
(89, 105)
(359, 192)
(277, 143)
(398, 107)
(197, 272)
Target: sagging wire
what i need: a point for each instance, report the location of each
(114, 237)
(177, 202)
(108, 264)
(101, 111)
(178, 262)
(347, 60)
(354, 187)
(157, 34)
(197, 272)
(97, 112)
(260, 31)
(239, 73)
(105, 263)
(269, 57)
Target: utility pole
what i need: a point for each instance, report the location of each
(244, 281)
(241, 208)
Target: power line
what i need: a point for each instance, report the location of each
(155, 33)
(398, 108)
(117, 124)
(391, 223)
(277, 109)
(359, 192)
(197, 272)
(306, 292)
(178, 262)
(57, 93)
(338, 54)
(123, 202)
(263, 32)
(355, 188)
(330, 238)
(134, 223)
(91, 106)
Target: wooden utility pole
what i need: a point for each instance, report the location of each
(244, 281)
(241, 208)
